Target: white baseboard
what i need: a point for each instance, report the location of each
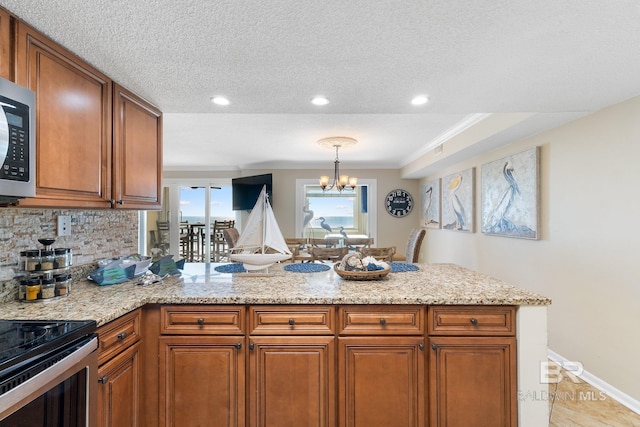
(601, 385)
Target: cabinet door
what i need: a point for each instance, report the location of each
(381, 381)
(292, 381)
(6, 45)
(201, 381)
(472, 381)
(137, 152)
(119, 390)
(73, 124)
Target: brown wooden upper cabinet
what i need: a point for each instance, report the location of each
(137, 151)
(97, 144)
(6, 45)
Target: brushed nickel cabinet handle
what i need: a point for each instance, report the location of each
(122, 335)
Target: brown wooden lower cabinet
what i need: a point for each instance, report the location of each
(202, 381)
(118, 390)
(347, 366)
(472, 381)
(381, 381)
(292, 381)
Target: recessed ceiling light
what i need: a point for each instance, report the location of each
(420, 100)
(220, 100)
(319, 100)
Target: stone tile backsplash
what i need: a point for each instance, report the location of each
(95, 234)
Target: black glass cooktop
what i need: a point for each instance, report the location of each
(22, 341)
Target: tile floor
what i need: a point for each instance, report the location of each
(578, 403)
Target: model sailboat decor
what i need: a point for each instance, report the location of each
(261, 243)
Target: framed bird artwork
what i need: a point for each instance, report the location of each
(430, 193)
(510, 195)
(458, 201)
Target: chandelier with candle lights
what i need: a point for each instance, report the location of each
(340, 182)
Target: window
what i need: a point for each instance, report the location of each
(332, 212)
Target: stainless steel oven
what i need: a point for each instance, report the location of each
(48, 373)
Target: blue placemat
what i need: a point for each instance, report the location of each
(306, 267)
(235, 267)
(399, 267)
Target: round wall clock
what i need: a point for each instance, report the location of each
(398, 203)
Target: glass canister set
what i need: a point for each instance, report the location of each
(44, 273)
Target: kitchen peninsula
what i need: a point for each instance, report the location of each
(414, 329)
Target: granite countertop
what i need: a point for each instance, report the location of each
(200, 284)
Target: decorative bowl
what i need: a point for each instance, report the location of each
(361, 275)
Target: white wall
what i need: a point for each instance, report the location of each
(587, 258)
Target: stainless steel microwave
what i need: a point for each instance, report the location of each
(17, 142)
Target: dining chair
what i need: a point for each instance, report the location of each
(358, 242)
(219, 244)
(184, 239)
(412, 250)
(163, 237)
(326, 242)
(328, 254)
(297, 246)
(231, 236)
(381, 254)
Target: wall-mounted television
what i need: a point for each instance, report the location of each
(245, 191)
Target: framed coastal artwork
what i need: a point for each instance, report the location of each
(510, 195)
(458, 201)
(430, 193)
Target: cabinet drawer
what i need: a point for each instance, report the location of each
(117, 335)
(381, 320)
(291, 320)
(202, 320)
(471, 320)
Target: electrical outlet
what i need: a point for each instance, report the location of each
(64, 225)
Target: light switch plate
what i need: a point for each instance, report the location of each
(64, 225)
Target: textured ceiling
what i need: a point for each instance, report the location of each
(560, 58)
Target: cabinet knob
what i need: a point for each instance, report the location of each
(292, 321)
(434, 347)
(383, 321)
(201, 321)
(239, 345)
(122, 335)
(474, 321)
(103, 380)
(421, 346)
(120, 202)
(251, 346)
